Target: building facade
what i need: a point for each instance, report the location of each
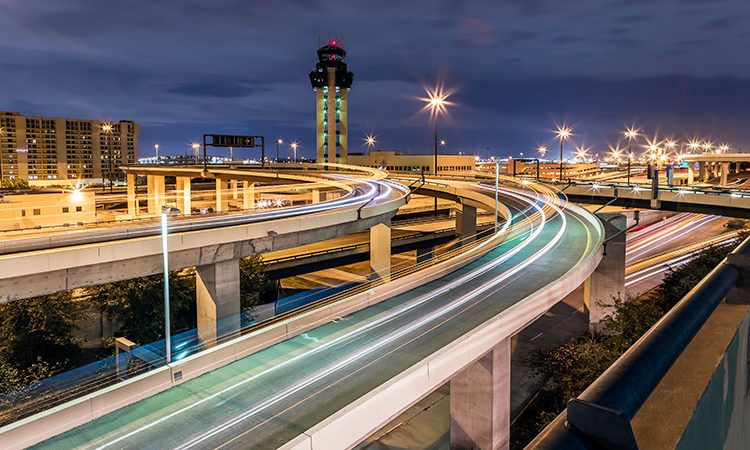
(46, 150)
(331, 82)
(394, 161)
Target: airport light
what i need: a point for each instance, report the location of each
(563, 133)
(582, 153)
(542, 149)
(165, 253)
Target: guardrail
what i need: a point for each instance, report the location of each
(601, 416)
(732, 192)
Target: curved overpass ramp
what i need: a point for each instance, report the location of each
(336, 383)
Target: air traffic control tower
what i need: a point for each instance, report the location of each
(331, 82)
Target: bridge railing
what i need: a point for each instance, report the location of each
(732, 192)
(601, 416)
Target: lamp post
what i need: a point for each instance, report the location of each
(630, 133)
(156, 147)
(437, 104)
(294, 146)
(370, 141)
(562, 133)
(2, 174)
(165, 253)
(279, 141)
(196, 149)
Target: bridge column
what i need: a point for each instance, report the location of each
(183, 195)
(315, 195)
(380, 250)
(690, 175)
(132, 200)
(466, 221)
(608, 279)
(701, 171)
(480, 402)
(235, 186)
(155, 185)
(248, 195)
(217, 288)
(724, 172)
(738, 168)
(221, 201)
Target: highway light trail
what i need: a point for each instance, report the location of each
(523, 239)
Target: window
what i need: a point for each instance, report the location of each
(37, 212)
(79, 208)
(66, 209)
(23, 213)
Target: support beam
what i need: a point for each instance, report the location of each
(690, 175)
(343, 126)
(156, 199)
(724, 173)
(466, 222)
(217, 288)
(235, 193)
(221, 201)
(608, 279)
(480, 402)
(248, 195)
(701, 171)
(132, 200)
(380, 250)
(331, 114)
(315, 195)
(183, 195)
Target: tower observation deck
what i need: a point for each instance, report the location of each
(331, 82)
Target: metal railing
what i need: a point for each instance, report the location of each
(601, 416)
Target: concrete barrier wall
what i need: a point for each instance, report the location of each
(703, 402)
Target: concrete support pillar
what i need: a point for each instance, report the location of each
(380, 250)
(132, 200)
(248, 195)
(738, 168)
(315, 195)
(156, 198)
(480, 402)
(234, 184)
(221, 192)
(690, 175)
(466, 222)
(183, 195)
(217, 288)
(724, 173)
(608, 279)
(701, 172)
(425, 254)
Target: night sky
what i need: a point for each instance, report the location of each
(181, 68)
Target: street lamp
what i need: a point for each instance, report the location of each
(156, 147)
(196, 150)
(165, 253)
(563, 133)
(542, 149)
(279, 141)
(370, 141)
(107, 129)
(582, 153)
(437, 103)
(294, 146)
(631, 133)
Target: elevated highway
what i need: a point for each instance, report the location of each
(351, 368)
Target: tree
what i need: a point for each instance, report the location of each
(252, 280)
(139, 304)
(36, 338)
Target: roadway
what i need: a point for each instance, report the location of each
(270, 397)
